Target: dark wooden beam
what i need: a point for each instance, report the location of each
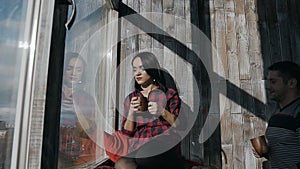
(54, 83)
(113, 4)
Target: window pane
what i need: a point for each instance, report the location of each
(87, 108)
(13, 47)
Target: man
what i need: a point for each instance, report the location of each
(283, 133)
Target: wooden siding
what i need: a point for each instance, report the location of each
(279, 26)
(234, 32)
(250, 36)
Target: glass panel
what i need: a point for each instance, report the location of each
(90, 59)
(13, 67)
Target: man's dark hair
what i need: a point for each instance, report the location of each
(288, 70)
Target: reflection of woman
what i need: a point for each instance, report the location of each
(77, 114)
(163, 109)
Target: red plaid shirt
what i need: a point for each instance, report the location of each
(147, 125)
(75, 144)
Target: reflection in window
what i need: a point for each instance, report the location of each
(77, 125)
(87, 93)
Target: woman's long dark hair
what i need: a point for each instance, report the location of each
(160, 76)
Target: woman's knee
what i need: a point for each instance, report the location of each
(125, 163)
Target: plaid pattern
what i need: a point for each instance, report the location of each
(75, 144)
(70, 145)
(147, 126)
(86, 104)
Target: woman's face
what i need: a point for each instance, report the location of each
(74, 71)
(140, 75)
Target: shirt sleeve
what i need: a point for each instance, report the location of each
(298, 122)
(174, 102)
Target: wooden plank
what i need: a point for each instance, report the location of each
(130, 46)
(145, 41)
(231, 43)
(169, 27)
(218, 4)
(181, 72)
(255, 56)
(227, 158)
(294, 25)
(219, 60)
(283, 21)
(145, 6)
(157, 19)
(220, 42)
(215, 65)
(135, 5)
(251, 10)
(191, 97)
(247, 87)
(169, 21)
(180, 8)
(195, 149)
(226, 127)
(204, 17)
(264, 34)
(272, 23)
(239, 7)
(242, 40)
(188, 19)
(238, 141)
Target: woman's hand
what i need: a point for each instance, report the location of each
(134, 105)
(155, 109)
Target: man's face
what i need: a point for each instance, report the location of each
(276, 86)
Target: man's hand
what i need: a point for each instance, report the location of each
(256, 154)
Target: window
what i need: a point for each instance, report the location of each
(20, 44)
(87, 107)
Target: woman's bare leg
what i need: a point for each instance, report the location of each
(125, 163)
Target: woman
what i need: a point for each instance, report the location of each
(77, 114)
(150, 130)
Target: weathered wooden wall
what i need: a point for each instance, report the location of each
(235, 34)
(279, 25)
(250, 36)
